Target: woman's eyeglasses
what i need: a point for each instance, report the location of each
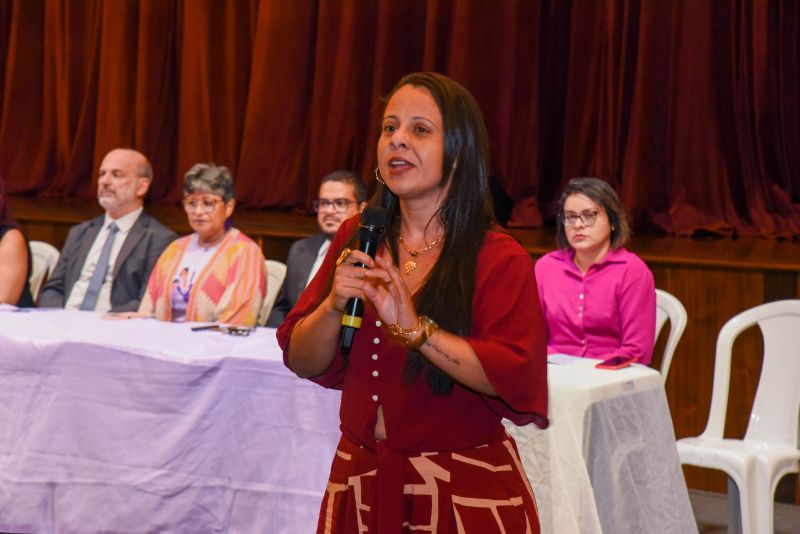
(206, 205)
(339, 204)
(587, 218)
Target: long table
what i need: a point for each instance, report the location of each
(144, 426)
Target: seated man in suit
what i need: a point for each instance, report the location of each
(105, 262)
(341, 195)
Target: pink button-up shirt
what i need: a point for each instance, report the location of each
(609, 311)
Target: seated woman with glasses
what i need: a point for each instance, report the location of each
(216, 274)
(598, 298)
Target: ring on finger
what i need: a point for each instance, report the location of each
(343, 257)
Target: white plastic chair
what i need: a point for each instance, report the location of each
(669, 307)
(276, 272)
(44, 257)
(769, 449)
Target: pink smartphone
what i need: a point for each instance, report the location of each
(616, 362)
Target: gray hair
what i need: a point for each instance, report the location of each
(209, 178)
(145, 169)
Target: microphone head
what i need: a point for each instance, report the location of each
(372, 223)
(374, 216)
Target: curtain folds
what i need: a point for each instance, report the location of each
(690, 109)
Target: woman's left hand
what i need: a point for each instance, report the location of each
(392, 299)
(452, 354)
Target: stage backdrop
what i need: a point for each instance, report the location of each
(690, 109)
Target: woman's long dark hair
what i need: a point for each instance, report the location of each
(465, 214)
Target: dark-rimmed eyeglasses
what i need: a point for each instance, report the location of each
(587, 218)
(339, 204)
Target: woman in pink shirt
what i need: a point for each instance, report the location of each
(598, 299)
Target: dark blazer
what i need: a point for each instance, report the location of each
(145, 242)
(298, 266)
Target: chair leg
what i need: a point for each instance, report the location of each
(735, 508)
(765, 510)
(766, 478)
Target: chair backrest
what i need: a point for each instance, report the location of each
(669, 307)
(276, 272)
(774, 417)
(44, 257)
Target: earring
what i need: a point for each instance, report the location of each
(378, 176)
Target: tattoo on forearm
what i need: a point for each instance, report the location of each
(444, 354)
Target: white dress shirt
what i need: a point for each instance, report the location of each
(323, 249)
(124, 224)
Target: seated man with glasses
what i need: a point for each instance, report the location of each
(341, 195)
(216, 274)
(598, 298)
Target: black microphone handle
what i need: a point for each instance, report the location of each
(354, 309)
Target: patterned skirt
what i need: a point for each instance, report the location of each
(483, 490)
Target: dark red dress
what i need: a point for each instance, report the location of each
(446, 460)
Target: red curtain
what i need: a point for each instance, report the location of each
(690, 109)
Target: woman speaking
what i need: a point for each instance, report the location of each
(452, 338)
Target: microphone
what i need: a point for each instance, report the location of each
(370, 233)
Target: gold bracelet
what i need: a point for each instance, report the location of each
(415, 338)
(428, 327)
(401, 333)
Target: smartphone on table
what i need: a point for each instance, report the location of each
(617, 362)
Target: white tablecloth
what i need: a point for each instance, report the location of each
(608, 461)
(143, 426)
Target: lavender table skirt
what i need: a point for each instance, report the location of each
(140, 426)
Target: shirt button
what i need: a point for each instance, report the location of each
(377, 323)
(376, 341)
(583, 342)
(580, 315)
(580, 296)
(375, 398)
(374, 373)
(374, 356)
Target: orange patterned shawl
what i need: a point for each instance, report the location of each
(230, 289)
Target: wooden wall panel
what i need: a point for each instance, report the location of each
(711, 297)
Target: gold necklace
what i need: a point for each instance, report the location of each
(410, 265)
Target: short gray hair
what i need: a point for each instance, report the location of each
(209, 178)
(145, 169)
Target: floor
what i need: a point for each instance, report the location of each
(711, 512)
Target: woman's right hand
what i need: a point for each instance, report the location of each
(314, 340)
(349, 280)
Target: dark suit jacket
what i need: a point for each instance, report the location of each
(298, 266)
(143, 245)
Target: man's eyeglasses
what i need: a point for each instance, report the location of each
(339, 204)
(587, 218)
(206, 205)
